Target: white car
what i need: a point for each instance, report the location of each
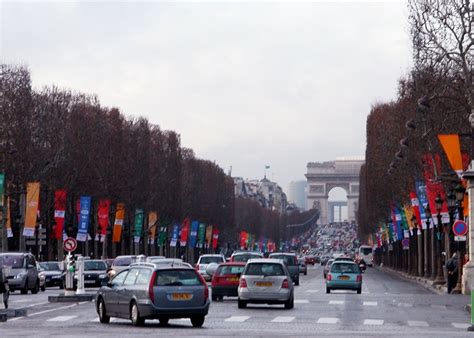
(204, 261)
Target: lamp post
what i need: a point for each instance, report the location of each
(439, 234)
(459, 191)
(419, 245)
(426, 239)
(451, 200)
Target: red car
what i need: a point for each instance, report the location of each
(309, 260)
(225, 280)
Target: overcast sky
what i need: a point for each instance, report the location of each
(245, 84)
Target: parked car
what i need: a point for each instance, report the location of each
(23, 273)
(244, 256)
(150, 291)
(53, 274)
(302, 266)
(204, 261)
(344, 275)
(42, 277)
(327, 267)
(266, 281)
(225, 280)
(291, 262)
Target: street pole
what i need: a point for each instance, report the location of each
(420, 253)
(460, 253)
(439, 280)
(425, 250)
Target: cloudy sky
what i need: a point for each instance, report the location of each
(245, 83)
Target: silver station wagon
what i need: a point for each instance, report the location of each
(151, 291)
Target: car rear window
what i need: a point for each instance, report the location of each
(289, 260)
(244, 257)
(345, 268)
(266, 269)
(230, 270)
(95, 265)
(15, 261)
(123, 261)
(177, 278)
(210, 259)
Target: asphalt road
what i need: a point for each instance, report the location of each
(388, 306)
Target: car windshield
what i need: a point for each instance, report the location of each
(95, 265)
(288, 259)
(229, 270)
(210, 259)
(123, 261)
(177, 278)
(344, 268)
(265, 269)
(14, 261)
(245, 257)
(50, 266)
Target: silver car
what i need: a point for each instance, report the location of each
(151, 291)
(204, 261)
(23, 273)
(266, 281)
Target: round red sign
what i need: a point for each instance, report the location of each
(70, 244)
(460, 228)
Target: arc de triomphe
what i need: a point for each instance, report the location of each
(322, 177)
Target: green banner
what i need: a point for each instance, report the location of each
(139, 217)
(163, 234)
(2, 188)
(201, 235)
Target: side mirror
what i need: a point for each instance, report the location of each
(211, 269)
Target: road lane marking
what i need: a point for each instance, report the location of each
(405, 305)
(238, 319)
(327, 320)
(460, 325)
(97, 320)
(436, 306)
(301, 301)
(370, 303)
(42, 312)
(373, 322)
(336, 302)
(312, 291)
(20, 301)
(417, 323)
(37, 304)
(282, 319)
(61, 318)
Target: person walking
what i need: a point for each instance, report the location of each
(452, 268)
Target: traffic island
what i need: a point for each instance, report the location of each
(11, 313)
(62, 298)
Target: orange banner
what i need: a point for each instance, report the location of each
(409, 215)
(152, 224)
(118, 224)
(452, 148)
(32, 202)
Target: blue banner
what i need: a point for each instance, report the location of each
(423, 198)
(398, 217)
(174, 235)
(83, 234)
(193, 234)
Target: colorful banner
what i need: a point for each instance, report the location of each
(452, 148)
(162, 235)
(32, 204)
(83, 231)
(243, 239)
(185, 231)
(201, 235)
(193, 234)
(415, 204)
(435, 188)
(8, 219)
(2, 188)
(139, 218)
(208, 236)
(215, 238)
(423, 198)
(174, 235)
(102, 219)
(152, 224)
(118, 223)
(59, 212)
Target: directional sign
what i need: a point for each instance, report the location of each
(70, 244)
(460, 228)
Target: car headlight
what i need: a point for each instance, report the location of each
(102, 276)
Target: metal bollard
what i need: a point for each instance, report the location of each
(80, 276)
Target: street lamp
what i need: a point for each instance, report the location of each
(439, 271)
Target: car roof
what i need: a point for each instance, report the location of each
(247, 253)
(265, 260)
(211, 255)
(162, 266)
(233, 264)
(344, 262)
(283, 253)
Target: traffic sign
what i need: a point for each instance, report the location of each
(460, 228)
(70, 244)
(460, 238)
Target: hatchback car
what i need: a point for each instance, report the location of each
(205, 260)
(149, 291)
(225, 280)
(327, 267)
(291, 262)
(344, 275)
(23, 273)
(266, 281)
(53, 273)
(244, 256)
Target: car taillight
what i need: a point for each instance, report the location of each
(151, 293)
(243, 283)
(206, 289)
(359, 278)
(329, 276)
(215, 280)
(285, 284)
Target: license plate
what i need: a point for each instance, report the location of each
(89, 281)
(234, 279)
(181, 296)
(344, 277)
(265, 284)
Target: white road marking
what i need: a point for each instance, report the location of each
(97, 320)
(238, 319)
(42, 312)
(282, 319)
(370, 303)
(327, 320)
(460, 325)
(312, 291)
(61, 318)
(373, 322)
(20, 301)
(417, 323)
(405, 305)
(336, 302)
(301, 301)
(37, 304)
(436, 306)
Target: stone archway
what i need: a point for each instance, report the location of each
(322, 177)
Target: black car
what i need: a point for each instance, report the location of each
(95, 272)
(53, 273)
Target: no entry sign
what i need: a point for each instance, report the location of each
(70, 244)
(460, 228)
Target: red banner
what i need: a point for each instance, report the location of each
(243, 239)
(435, 188)
(215, 238)
(416, 208)
(103, 216)
(184, 232)
(59, 212)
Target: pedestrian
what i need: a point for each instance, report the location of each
(452, 268)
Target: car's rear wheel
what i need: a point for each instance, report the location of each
(242, 304)
(328, 290)
(135, 315)
(164, 321)
(290, 303)
(102, 312)
(197, 321)
(359, 291)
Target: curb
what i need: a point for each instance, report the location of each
(11, 313)
(88, 297)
